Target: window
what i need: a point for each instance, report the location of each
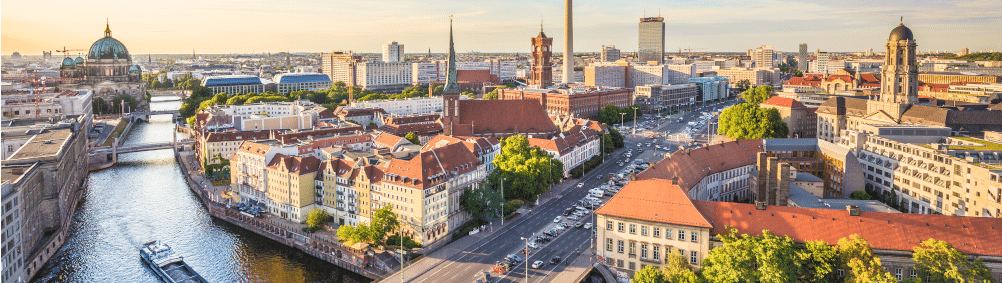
(667, 233)
(620, 246)
(656, 253)
(914, 273)
(633, 265)
(621, 225)
(657, 232)
(897, 274)
(608, 244)
(694, 236)
(608, 225)
(633, 248)
(681, 235)
(643, 230)
(633, 228)
(643, 251)
(692, 257)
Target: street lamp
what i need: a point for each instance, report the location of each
(527, 257)
(634, 122)
(502, 202)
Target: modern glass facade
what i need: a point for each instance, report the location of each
(652, 40)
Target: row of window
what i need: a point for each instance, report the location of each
(655, 231)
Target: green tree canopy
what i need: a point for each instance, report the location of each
(938, 261)
(649, 274)
(383, 221)
(818, 263)
(748, 121)
(349, 235)
(413, 138)
(482, 202)
(736, 261)
(527, 170)
(857, 257)
(317, 218)
(758, 94)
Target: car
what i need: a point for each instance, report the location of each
(515, 257)
(587, 225)
(620, 164)
(556, 220)
(537, 264)
(572, 217)
(527, 251)
(578, 225)
(555, 260)
(580, 185)
(482, 277)
(599, 177)
(533, 246)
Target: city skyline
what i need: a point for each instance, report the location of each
(273, 26)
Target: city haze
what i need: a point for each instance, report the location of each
(491, 26)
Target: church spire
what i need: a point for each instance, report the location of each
(451, 85)
(107, 28)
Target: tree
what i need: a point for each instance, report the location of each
(608, 146)
(736, 261)
(317, 219)
(468, 93)
(482, 202)
(938, 261)
(818, 263)
(856, 256)
(617, 138)
(493, 95)
(527, 170)
(649, 274)
(742, 84)
(748, 121)
(383, 221)
(349, 235)
(609, 115)
(758, 94)
(413, 138)
(861, 195)
(678, 270)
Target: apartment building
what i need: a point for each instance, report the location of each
(340, 66)
(436, 71)
(13, 251)
(951, 78)
(607, 74)
(404, 107)
(666, 98)
(755, 76)
(290, 186)
(609, 53)
(393, 52)
(384, 77)
(572, 148)
(763, 57)
(926, 170)
(712, 88)
(718, 172)
(69, 102)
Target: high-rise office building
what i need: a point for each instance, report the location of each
(802, 61)
(393, 52)
(763, 57)
(652, 40)
(821, 62)
(610, 53)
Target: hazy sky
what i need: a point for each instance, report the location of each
(244, 26)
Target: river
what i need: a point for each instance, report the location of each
(143, 198)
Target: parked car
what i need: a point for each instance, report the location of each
(578, 225)
(587, 225)
(556, 220)
(537, 264)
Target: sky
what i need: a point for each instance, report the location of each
(244, 26)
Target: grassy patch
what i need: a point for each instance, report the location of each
(986, 144)
(122, 123)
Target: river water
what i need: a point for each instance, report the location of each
(143, 198)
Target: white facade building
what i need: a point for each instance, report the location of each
(71, 102)
(393, 52)
(404, 107)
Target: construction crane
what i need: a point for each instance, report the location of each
(37, 88)
(64, 51)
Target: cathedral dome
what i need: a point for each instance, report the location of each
(79, 60)
(68, 61)
(108, 48)
(901, 33)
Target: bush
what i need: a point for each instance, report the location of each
(409, 243)
(861, 195)
(512, 205)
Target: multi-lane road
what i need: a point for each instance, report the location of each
(568, 245)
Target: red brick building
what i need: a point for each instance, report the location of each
(579, 101)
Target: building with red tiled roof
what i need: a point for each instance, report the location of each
(576, 101)
(800, 119)
(714, 172)
(841, 80)
(495, 118)
(572, 148)
(290, 181)
(424, 131)
(650, 218)
(647, 221)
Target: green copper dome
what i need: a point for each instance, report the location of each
(79, 60)
(108, 48)
(68, 61)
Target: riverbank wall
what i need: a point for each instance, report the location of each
(357, 261)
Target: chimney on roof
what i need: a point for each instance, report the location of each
(674, 180)
(760, 205)
(853, 210)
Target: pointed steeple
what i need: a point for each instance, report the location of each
(107, 28)
(541, 34)
(451, 85)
